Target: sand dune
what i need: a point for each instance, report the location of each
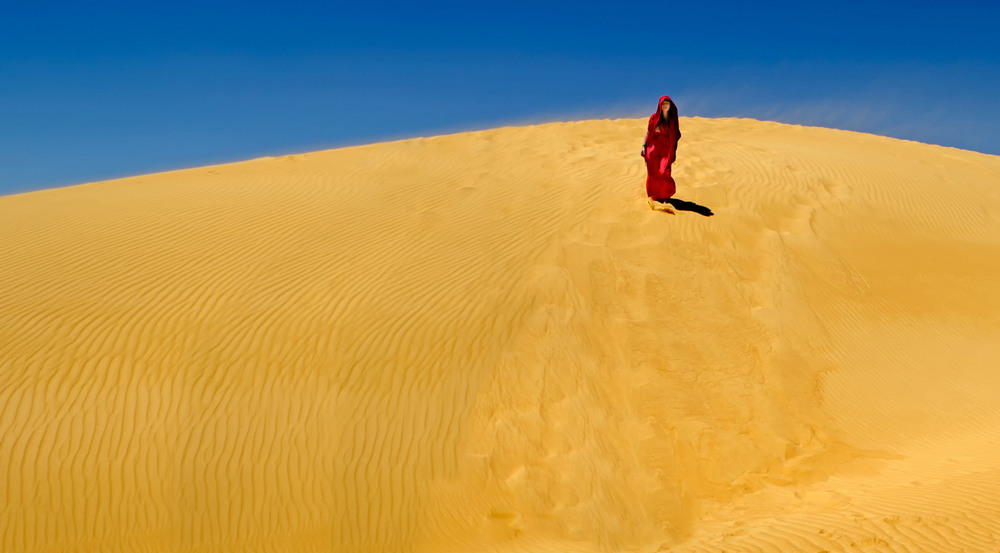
(488, 342)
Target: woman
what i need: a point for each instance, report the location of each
(660, 149)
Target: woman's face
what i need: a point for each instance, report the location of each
(665, 107)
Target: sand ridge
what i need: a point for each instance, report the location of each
(487, 341)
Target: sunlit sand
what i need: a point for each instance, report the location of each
(489, 342)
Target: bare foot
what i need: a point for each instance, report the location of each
(658, 206)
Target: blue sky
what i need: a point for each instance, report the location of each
(99, 90)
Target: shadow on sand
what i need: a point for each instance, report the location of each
(681, 205)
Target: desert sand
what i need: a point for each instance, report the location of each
(488, 342)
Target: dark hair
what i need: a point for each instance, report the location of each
(671, 113)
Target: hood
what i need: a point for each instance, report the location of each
(655, 118)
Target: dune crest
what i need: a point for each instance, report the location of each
(488, 342)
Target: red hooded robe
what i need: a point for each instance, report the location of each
(661, 150)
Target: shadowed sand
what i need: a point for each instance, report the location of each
(488, 342)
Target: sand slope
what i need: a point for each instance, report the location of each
(487, 342)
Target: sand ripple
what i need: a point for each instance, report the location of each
(487, 342)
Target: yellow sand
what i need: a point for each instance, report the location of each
(488, 342)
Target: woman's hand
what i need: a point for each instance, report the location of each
(643, 153)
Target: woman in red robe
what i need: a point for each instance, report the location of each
(660, 149)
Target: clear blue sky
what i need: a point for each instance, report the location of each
(98, 90)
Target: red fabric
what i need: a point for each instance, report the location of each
(661, 150)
